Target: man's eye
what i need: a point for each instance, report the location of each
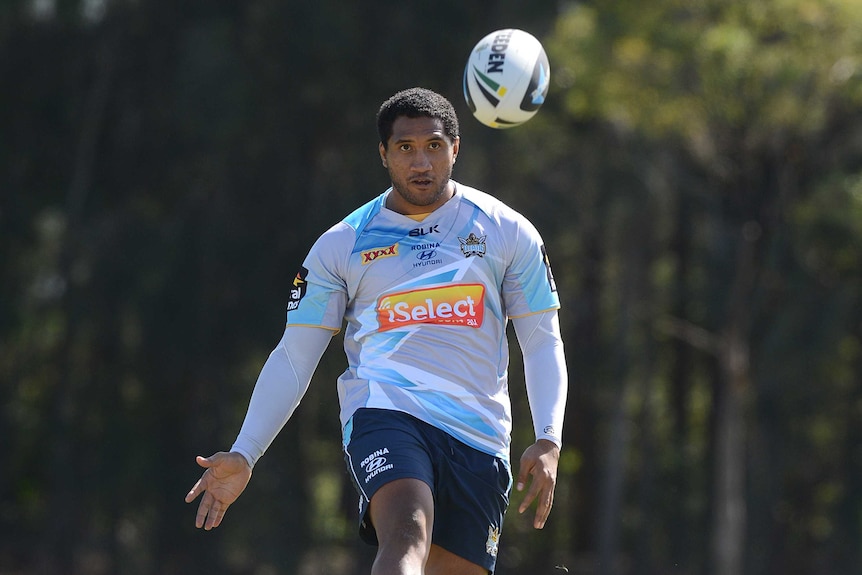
(434, 145)
(404, 147)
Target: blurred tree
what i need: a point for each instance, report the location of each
(741, 95)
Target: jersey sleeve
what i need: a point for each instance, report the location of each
(528, 285)
(319, 295)
(545, 372)
(282, 383)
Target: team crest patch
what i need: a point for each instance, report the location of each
(493, 540)
(473, 245)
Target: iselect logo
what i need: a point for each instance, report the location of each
(462, 304)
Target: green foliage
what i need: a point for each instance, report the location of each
(705, 70)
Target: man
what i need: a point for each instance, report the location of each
(426, 277)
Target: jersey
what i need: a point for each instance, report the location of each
(426, 306)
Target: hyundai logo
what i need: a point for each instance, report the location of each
(374, 464)
(426, 255)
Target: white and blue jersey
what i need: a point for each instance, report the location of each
(426, 306)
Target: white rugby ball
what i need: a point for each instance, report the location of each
(506, 78)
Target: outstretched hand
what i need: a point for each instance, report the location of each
(224, 480)
(539, 461)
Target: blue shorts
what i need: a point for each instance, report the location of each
(470, 488)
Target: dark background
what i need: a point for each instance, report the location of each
(696, 174)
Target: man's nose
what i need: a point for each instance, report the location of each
(421, 162)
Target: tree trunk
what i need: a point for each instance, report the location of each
(729, 519)
(729, 516)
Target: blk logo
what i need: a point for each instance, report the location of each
(425, 231)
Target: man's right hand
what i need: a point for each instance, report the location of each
(224, 480)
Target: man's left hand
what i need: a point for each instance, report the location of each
(539, 461)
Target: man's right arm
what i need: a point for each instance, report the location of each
(282, 383)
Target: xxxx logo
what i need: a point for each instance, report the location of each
(369, 256)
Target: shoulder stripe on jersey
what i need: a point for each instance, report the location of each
(360, 217)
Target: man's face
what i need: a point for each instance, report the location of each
(419, 157)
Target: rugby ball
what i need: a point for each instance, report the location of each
(506, 78)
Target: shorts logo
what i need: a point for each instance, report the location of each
(375, 464)
(462, 304)
(473, 245)
(298, 290)
(369, 256)
(493, 541)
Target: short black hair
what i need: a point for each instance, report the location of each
(415, 103)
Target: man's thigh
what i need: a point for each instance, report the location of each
(443, 562)
(384, 446)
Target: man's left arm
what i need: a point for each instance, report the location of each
(547, 386)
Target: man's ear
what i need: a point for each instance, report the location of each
(382, 150)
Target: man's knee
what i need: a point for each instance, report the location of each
(402, 513)
(413, 531)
